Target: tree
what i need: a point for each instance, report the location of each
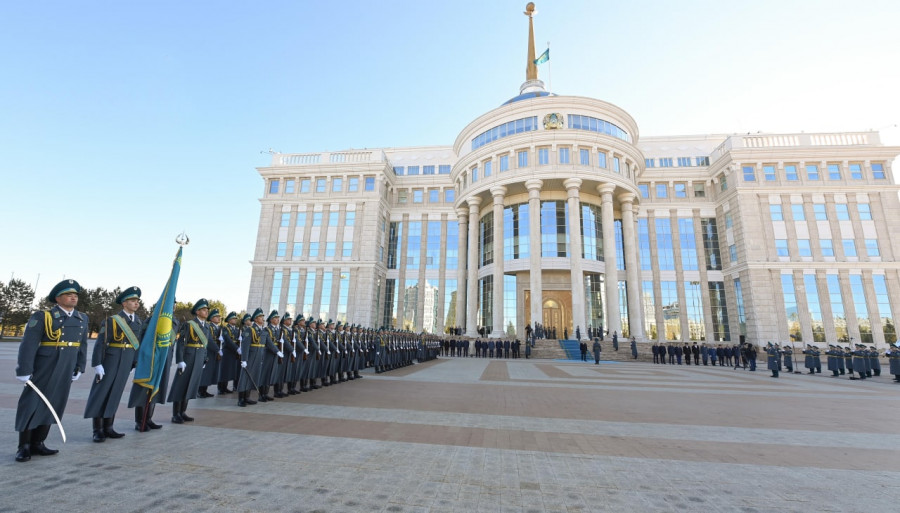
(15, 305)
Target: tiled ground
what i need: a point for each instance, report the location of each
(494, 436)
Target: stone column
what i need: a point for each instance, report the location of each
(573, 186)
(462, 216)
(534, 245)
(497, 331)
(472, 280)
(613, 323)
(632, 273)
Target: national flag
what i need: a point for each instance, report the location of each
(159, 336)
(544, 57)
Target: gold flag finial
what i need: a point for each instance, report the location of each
(531, 69)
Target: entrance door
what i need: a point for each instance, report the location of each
(552, 314)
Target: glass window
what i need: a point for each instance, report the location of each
(486, 240)
(281, 249)
(769, 173)
(665, 253)
(427, 170)
(488, 168)
(434, 195)
(723, 183)
(417, 196)
(790, 172)
(616, 165)
(413, 244)
(827, 247)
(688, 244)
(834, 171)
(513, 127)
(819, 211)
(843, 214)
(665, 162)
(804, 248)
(554, 229)
(878, 171)
(749, 173)
(297, 253)
(680, 190)
(433, 245)
(452, 247)
(815, 307)
(317, 219)
(353, 184)
(543, 156)
(699, 190)
(872, 248)
(412, 170)
(884, 308)
(855, 172)
(370, 183)
(273, 186)
(790, 306)
(350, 218)
(591, 232)
(523, 158)
(644, 243)
(337, 184)
(781, 247)
(684, 162)
(865, 211)
(289, 186)
(313, 249)
(304, 185)
(300, 220)
(729, 221)
(812, 172)
(662, 190)
(732, 252)
(444, 169)
(849, 247)
(402, 196)
(449, 196)
(394, 236)
(347, 250)
(276, 290)
(601, 160)
(711, 244)
(693, 305)
(776, 213)
(671, 309)
(797, 212)
(285, 219)
(862, 309)
(333, 218)
(329, 249)
(701, 161)
(504, 163)
(399, 170)
(739, 299)
(584, 157)
(645, 190)
(564, 156)
(320, 185)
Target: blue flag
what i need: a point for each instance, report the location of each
(159, 336)
(544, 57)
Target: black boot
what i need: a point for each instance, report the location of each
(278, 393)
(184, 416)
(38, 435)
(108, 428)
(24, 452)
(176, 413)
(99, 435)
(150, 423)
(247, 399)
(242, 402)
(356, 375)
(304, 385)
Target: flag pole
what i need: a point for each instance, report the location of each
(549, 72)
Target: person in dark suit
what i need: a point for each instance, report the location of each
(491, 346)
(655, 350)
(704, 353)
(670, 349)
(506, 348)
(720, 355)
(678, 353)
(695, 350)
(583, 347)
(598, 349)
(633, 348)
(728, 355)
(615, 340)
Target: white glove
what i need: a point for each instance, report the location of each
(23, 379)
(280, 354)
(76, 376)
(220, 352)
(306, 351)
(329, 352)
(239, 350)
(294, 353)
(243, 365)
(100, 371)
(181, 366)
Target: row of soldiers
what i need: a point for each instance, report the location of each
(865, 361)
(262, 353)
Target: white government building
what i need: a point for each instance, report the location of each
(553, 209)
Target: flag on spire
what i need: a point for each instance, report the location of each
(544, 57)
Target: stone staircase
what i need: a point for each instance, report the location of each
(553, 349)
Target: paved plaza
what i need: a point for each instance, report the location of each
(476, 435)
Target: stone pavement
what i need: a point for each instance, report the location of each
(473, 435)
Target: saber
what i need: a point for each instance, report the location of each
(250, 377)
(47, 402)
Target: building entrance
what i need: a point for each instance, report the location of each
(556, 312)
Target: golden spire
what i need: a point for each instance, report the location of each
(531, 70)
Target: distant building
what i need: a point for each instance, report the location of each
(553, 209)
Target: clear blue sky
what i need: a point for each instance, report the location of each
(124, 123)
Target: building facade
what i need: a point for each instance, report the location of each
(553, 209)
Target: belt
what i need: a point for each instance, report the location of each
(195, 346)
(257, 345)
(120, 346)
(61, 344)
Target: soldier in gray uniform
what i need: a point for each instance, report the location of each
(859, 361)
(210, 374)
(893, 355)
(190, 357)
(772, 353)
(229, 365)
(832, 360)
(52, 355)
(874, 361)
(788, 353)
(307, 358)
(114, 356)
(139, 398)
(293, 355)
(253, 344)
(273, 356)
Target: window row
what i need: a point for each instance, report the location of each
(820, 213)
(770, 172)
(682, 162)
(320, 185)
(563, 155)
(676, 190)
(849, 247)
(442, 169)
(405, 196)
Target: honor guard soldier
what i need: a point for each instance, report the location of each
(831, 360)
(772, 352)
(317, 351)
(113, 358)
(848, 360)
(295, 360)
(253, 344)
(893, 355)
(140, 397)
(334, 352)
(859, 361)
(874, 361)
(788, 352)
(272, 355)
(210, 374)
(229, 365)
(190, 357)
(52, 355)
(301, 334)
